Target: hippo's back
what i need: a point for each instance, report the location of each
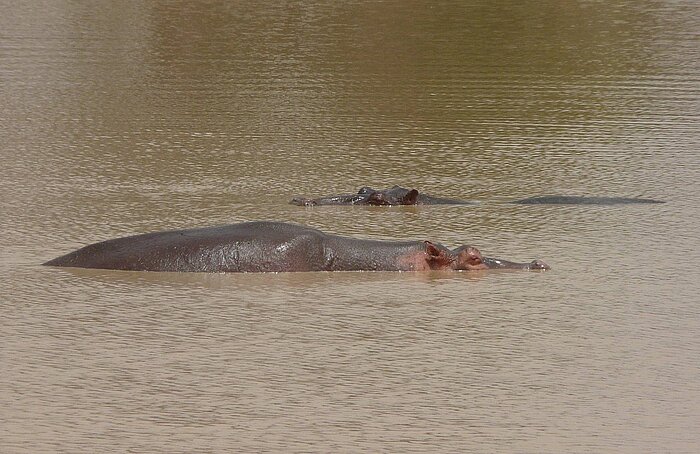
(578, 200)
(250, 246)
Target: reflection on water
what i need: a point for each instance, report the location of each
(126, 119)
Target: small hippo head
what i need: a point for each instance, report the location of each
(470, 258)
(462, 258)
(394, 196)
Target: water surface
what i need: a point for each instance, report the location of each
(123, 119)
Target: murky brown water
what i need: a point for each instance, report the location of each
(125, 118)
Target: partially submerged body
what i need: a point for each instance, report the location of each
(576, 200)
(380, 197)
(274, 247)
(401, 196)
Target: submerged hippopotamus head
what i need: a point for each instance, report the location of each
(365, 196)
(466, 258)
(393, 196)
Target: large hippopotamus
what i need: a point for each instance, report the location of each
(275, 247)
(397, 195)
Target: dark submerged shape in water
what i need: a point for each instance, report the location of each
(275, 247)
(575, 200)
(380, 197)
(402, 196)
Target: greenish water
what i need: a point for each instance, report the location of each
(126, 118)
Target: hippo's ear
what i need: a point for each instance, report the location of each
(411, 197)
(438, 257)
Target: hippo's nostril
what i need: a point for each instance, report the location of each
(539, 265)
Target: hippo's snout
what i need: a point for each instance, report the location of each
(538, 265)
(301, 201)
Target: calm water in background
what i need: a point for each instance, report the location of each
(120, 119)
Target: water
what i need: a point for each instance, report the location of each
(121, 119)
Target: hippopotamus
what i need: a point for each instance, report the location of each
(395, 195)
(576, 200)
(275, 247)
(401, 196)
